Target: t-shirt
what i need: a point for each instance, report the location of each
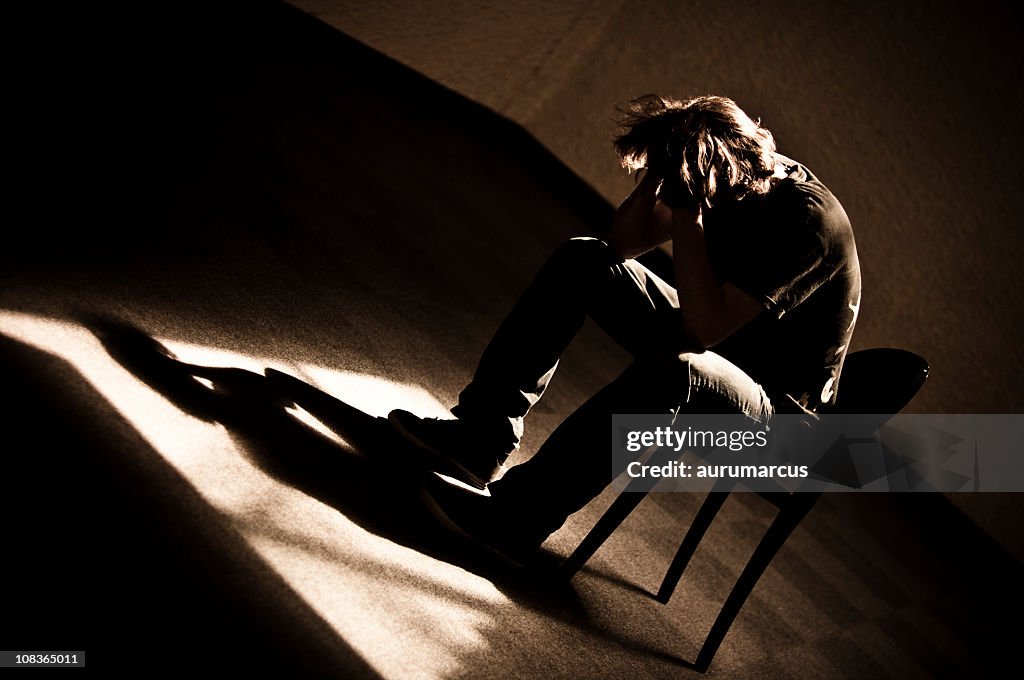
(793, 250)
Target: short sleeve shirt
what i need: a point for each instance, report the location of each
(793, 250)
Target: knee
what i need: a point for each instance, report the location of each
(694, 367)
(582, 254)
(687, 371)
(581, 260)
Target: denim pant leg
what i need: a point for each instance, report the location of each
(575, 463)
(583, 277)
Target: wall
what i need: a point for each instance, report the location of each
(909, 113)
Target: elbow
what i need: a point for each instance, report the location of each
(617, 246)
(704, 332)
(698, 339)
(700, 346)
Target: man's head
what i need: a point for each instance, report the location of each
(704, 150)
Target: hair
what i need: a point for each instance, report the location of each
(715, 150)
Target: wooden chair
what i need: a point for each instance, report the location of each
(876, 381)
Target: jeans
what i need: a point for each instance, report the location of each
(640, 311)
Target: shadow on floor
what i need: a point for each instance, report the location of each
(111, 551)
(374, 478)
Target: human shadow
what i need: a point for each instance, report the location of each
(120, 554)
(368, 473)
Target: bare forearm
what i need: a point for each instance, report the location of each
(630, 243)
(711, 310)
(700, 293)
(641, 222)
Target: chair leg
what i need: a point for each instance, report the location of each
(708, 510)
(786, 521)
(609, 522)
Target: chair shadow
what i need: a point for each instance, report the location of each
(373, 478)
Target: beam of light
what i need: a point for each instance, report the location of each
(371, 394)
(312, 422)
(462, 485)
(204, 382)
(407, 614)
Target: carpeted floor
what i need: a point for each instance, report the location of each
(251, 189)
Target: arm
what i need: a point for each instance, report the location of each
(641, 222)
(711, 311)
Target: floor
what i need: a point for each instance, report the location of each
(278, 196)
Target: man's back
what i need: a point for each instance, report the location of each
(792, 249)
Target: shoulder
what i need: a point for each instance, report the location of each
(802, 201)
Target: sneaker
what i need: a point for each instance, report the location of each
(477, 518)
(454, 449)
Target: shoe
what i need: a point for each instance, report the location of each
(477, 518)
(454, 449)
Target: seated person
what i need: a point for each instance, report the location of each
(766, 294)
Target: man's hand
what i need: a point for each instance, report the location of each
(711, 310)
(641, 222)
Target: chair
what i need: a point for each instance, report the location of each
(876, 381)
